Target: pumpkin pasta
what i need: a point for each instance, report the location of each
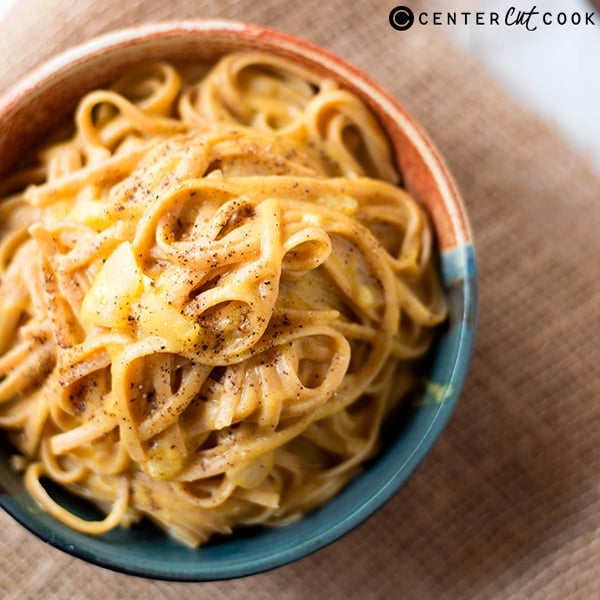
(211, 295)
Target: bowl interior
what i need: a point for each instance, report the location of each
(48, 95)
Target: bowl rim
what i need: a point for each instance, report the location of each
(293, 46)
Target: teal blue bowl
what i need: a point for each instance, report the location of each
(144, 550)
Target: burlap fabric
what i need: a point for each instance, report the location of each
(507, 505)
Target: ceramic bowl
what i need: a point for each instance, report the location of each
(48, 94)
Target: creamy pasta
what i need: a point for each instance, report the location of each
(212, 292)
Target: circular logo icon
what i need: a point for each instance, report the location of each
(401, 18)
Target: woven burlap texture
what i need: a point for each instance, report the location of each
(507, 503)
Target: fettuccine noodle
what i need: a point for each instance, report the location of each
(211, 295)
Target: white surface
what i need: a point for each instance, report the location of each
(5, 5)
(555, 69)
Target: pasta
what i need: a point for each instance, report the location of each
(212, 292)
